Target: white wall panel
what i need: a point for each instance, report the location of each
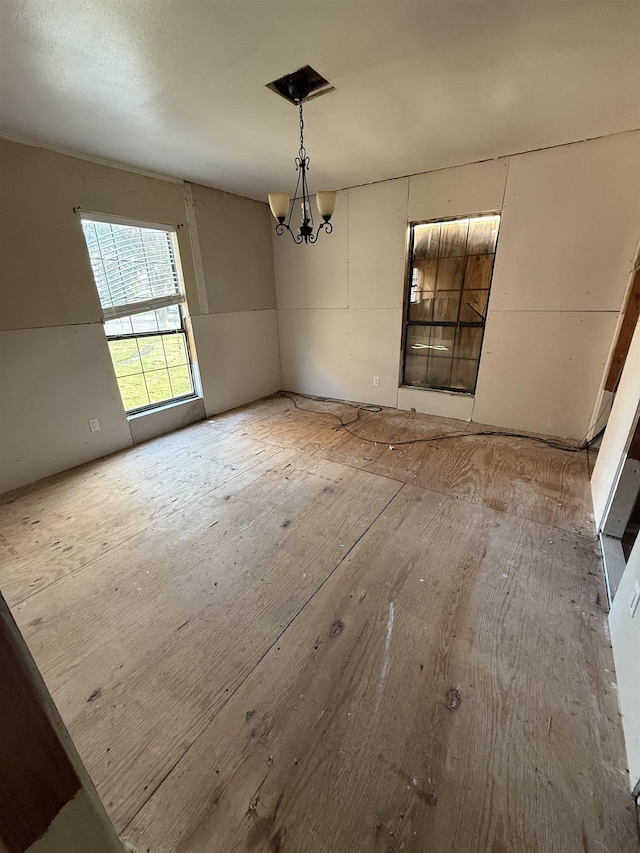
(625, 640)
(314, 276)
(336, 353)
(166, 419)
(560, 275)
(540, 370)
(476, 188)
(51, 382)
(377, 244)
(438, 403)
(570, 226)
(238, 357)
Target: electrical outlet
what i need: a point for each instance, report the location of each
(635, 598)
(376, 380)
(94, 424)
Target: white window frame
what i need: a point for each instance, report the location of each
(148, 305)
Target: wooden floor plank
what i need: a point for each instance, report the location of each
(514, 475)
(404, 712)
(205, 620)
(236, 420)
(141, 647)
(60, 528)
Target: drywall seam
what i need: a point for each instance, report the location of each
(506, 184)
(504, 156)
(279, 347)
(348, 253)
(196, 253)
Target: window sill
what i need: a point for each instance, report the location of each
(439, 391)
(162, 407)
(166, 418)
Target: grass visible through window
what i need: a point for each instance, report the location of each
(151, 369)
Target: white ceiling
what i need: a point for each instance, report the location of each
(178, 86)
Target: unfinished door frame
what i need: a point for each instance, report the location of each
(620, 504)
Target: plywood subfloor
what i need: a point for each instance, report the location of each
(267, 635)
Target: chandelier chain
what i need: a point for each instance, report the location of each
(306, 230)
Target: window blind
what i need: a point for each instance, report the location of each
(134, 268)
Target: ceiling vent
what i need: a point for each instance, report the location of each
(302, 85)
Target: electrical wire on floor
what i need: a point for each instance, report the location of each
(583, 445)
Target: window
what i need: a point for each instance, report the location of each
(447, 295)
(143, 307)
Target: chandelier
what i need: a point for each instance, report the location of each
(281, 204)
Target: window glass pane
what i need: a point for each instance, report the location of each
(422, 311)
(483, 233)
(423, 280)
(130, 263)
(180, 380)
(439, 372)
(417, 354)
(450, 273)
(122, 326)
(478, 272)
(134, 391)
(158, 385)
(175, 349)
(125, 357)
(474, 306)
(442, 341)
(463, 374)
(160, 320)
(468, 343)
(453, 238)
(147, 322)
(169, 318)
(152, 353)
(445, 306)
(426, 240)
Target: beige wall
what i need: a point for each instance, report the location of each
(237, 337)
(55, 368)
(235, 247)
(47, 279)
(570, 222)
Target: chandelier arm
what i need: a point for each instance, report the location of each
(306, 200)
(324, 226)
(305, 233)
(282, 226)
(295, 193)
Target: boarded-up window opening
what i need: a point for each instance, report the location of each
(449, 280)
